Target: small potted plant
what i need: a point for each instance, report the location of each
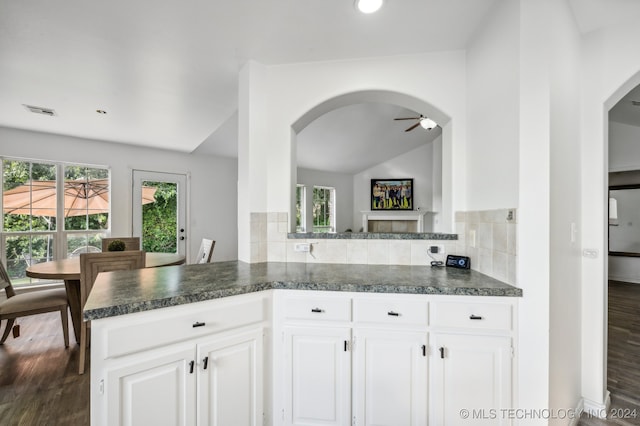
(116, 245)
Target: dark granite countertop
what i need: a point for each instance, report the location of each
(124, 292)
(372, 236)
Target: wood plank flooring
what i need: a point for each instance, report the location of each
(39, 380)
(623, 368)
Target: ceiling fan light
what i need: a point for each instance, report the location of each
(428, 123)
(368, 6)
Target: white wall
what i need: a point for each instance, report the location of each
(493, 111)
(343, 184)
(565, 256)
(624, 147)
(213, 193)
(416, 164)
(436, 79)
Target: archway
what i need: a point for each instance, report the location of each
(420, 106)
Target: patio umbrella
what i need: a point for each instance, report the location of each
(81, 197)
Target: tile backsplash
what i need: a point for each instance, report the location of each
(488, 237)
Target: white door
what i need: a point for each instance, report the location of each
(390, 379)
(472, 380)
(153, 388)
(161, 224)
(317, 378)
(229, 381)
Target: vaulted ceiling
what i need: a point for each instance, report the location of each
(166, 72)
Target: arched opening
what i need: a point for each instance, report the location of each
(621, 287)
(433, 191)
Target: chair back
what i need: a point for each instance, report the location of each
(5, 282)
(206, 251)
(91, 264)
(130, 243)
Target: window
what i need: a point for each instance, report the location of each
(301, 203)
(50, 211)
(324, 209)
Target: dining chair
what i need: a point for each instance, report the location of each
(130, 243)
(206, 251)
(31, 303)
(91, 264)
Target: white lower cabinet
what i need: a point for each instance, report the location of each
(390, 377)
(211, 375)
(394, 360)
(472, 378)
(152, 389)
(317, 376)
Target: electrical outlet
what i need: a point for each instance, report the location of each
(302, 247)
(436, 249)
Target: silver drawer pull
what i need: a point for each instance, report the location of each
(317, 310)
(393, 314)
(475, 317)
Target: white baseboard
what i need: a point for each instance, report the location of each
(597, 409)
(578, 410)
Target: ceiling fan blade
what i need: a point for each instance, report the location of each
(413, 127)
(408, 118)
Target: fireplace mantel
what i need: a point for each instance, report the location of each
(395, 216)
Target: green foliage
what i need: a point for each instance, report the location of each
(159, 232)
(116, 245)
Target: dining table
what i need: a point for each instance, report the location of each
(68, 270)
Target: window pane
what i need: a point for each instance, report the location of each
(25, 250)
(28, 196)
(301, 196)
(86, 198)
(159, 218)
(84, 243)
(323, 209)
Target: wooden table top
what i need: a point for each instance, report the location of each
(69, 269)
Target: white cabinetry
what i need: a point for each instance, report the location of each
(472, 370)
(196, 364)
(318, 376)
(415, 359)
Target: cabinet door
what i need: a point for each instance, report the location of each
(472, 377)
(153, 388)
(317, 382)
(230, 379)
(391, 378)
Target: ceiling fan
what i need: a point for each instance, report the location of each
(424, 122)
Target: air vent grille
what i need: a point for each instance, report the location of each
(40, 110)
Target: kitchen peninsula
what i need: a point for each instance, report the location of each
(168, 343)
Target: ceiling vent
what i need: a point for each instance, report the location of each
(40, 110)
(635, 103)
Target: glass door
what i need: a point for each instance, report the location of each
(159, 211)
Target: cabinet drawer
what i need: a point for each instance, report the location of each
(485, 316)
(318, 308)
(163, 327)
(389, 311)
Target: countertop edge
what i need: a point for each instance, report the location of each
(134, 307)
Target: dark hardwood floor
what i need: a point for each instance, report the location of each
(39, 380)
(623, 368)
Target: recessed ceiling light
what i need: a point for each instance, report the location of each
(368, 6)
(101, 111)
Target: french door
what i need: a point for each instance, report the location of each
(160, 210)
